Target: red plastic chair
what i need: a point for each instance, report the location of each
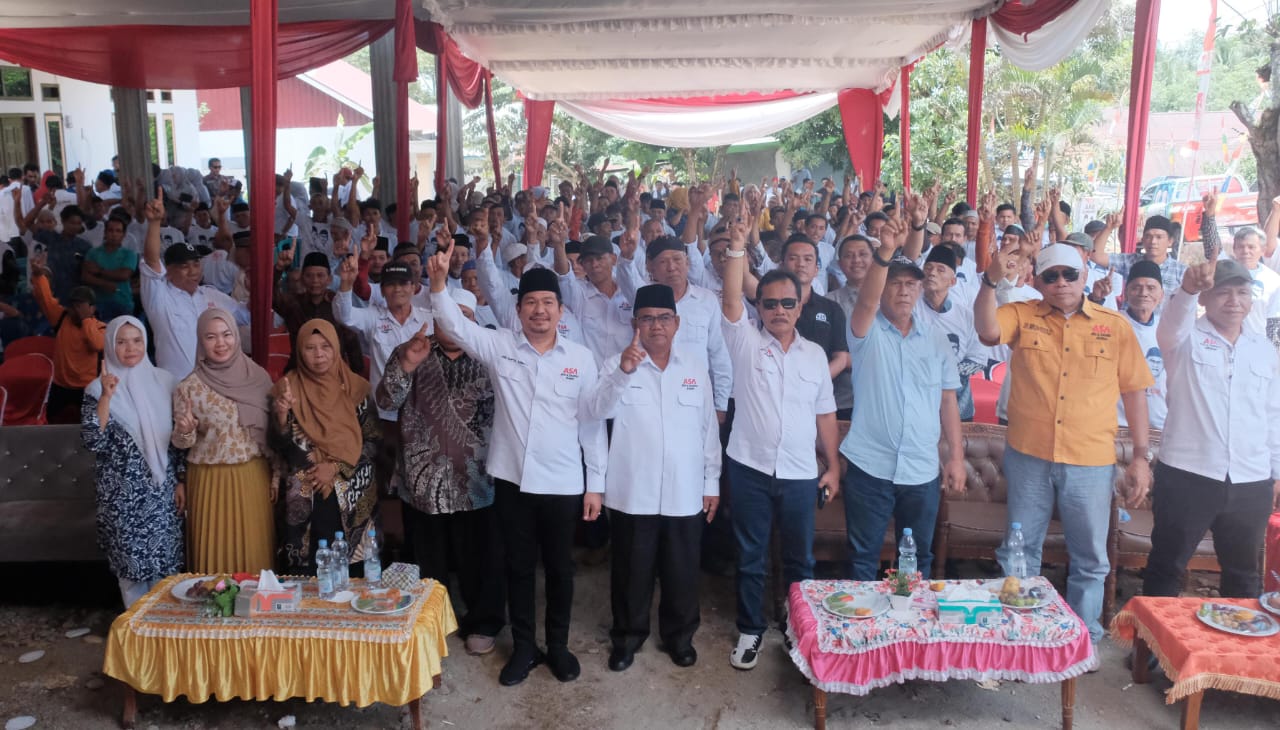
(985, 395)
(276, 364)
(26, 378)
(278, 343)
(27, 345)
(998, 372)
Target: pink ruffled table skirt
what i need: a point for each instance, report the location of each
(856, 656)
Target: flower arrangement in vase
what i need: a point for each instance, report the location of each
(222, 599)
(901, 586)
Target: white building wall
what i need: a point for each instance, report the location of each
(293, 146)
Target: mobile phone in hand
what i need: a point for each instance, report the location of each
(824, 494)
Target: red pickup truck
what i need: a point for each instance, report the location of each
(1174, 198)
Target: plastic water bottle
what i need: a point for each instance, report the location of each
(1017, 552)
(372, 563)
(324, 569)
(907, 553)
(341, 562)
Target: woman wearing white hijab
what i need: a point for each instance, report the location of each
(127, 421)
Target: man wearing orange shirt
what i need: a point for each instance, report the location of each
(79, 338)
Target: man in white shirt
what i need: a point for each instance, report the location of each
(598, 300)
(941, 307)
(1220, 455)
(202, 230)
(784, 406)
(661, 404)
(174, 299)
(540, 444)
(1143, 295)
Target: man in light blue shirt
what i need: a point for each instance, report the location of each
(904, 382)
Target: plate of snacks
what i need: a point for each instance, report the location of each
(1014, 595)
(1237, 620)
(381, 601)
(859, 605)
(1271, 601)
(194, 590)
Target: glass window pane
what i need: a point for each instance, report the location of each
(170, 145)
(16, 83)
(56, 161)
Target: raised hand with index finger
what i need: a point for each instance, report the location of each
(632, 356)
(438, 266)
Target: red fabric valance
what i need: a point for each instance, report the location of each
(538, 115)
(180, 56)
(1016, 17)
(863, 120)
(466, 77)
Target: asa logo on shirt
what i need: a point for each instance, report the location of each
(690, 384)
(569, 373)
(1101, 330)
(820, 317)
(1209, 343)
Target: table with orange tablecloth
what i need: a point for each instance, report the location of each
(324, 651)
(1196, 657)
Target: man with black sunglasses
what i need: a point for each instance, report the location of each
(1072, 360)
(784, 406)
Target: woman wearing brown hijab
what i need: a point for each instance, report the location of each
(220, 415)
(326, 428)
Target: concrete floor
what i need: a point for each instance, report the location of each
(653, 693)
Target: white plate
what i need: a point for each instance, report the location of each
(179, 591)
(406, 600)
(877, 602)
(1274, 627)
(1273, 596)
(1043, 602)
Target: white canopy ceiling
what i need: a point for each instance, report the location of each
(620, 49)
(78, 13)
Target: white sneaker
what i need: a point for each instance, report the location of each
(746, 653)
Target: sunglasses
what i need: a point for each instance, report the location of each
(787, 303)
(1051, 277)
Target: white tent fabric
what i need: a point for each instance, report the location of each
(678, 125)
(1055, 41)
(576, 50)
(76, 13)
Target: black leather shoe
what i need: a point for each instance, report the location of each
(620, 659)
(684, 657)
(564, 665)
(522, 661)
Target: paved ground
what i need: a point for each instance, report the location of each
(61, 690)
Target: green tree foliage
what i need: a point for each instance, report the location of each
(325, 161)
(423, 90)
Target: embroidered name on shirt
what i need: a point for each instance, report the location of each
(1037, 328)
(1101, 330)
(820, 317)
(690, 384)
(1209, 344)
(569, 373)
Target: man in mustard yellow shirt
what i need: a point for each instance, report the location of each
(1071, 361)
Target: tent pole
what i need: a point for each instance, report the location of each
(131, 136)
(977, 70)
(904, 125)
(263, 29)
(381, 66)
(1146, 20)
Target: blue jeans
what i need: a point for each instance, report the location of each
(1083, 497)
(757, 497)
(869, 503)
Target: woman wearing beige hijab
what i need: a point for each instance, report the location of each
(326, 430)
(220, 416)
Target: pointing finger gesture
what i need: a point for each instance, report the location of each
(632, 356)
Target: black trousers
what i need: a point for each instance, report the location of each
(1184, 507)
(533, 523)
(469, 545)
(645, 547)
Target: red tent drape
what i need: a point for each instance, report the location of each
(263, 61)
(181, 56)
(465, 77)
(442, 118)
(492, 129)
(977, 73)
(1019, 18)
(904, 124)
(862, 118)
(1146, 19)
(404, 73)
(538, 114)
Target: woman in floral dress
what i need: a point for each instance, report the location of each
(326, 429)
(126, 422)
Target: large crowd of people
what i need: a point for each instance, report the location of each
(614, 352)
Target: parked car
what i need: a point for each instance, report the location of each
(1175, 198)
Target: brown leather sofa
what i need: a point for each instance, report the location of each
(972, 525)
(47, 495)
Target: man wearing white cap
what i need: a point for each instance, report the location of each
(514, 257)
(1071, 361)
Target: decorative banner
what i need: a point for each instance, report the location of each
(1202, 93)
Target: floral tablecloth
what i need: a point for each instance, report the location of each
(1197, 657)
(855, 656)
(324, 651)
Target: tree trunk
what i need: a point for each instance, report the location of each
(690, 164)
(1015, 177)
(1264, 133)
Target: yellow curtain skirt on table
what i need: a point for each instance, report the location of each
(230, 523)
(266, 668)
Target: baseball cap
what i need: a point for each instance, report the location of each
(900, 264)
(1092, 228)
(1058, 254)
(933, 228)
(1229, 271)
(396, 274)
(1079, 239)
(181, 253)
(595, 246)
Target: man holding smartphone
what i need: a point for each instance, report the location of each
(784, 406)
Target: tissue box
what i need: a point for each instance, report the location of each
(966, 611)
(404, 576)
(250, 602)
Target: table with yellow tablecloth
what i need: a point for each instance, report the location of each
(324, 651)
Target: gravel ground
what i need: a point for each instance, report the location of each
(63, 689)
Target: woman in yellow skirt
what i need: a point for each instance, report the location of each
(221, 418)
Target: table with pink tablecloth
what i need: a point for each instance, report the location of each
(855, 656)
